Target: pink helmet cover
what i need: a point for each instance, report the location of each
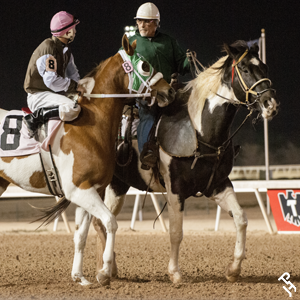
(62, 22)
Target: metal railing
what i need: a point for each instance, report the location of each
(258, 172)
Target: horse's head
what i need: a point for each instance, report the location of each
(142, 78)
(249, 79)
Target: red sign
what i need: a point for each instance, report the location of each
(285, 205)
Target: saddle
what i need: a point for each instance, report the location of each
(175, 132)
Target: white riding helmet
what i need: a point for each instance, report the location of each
(148, 11)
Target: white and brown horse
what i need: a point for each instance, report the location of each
(84, 150)
(212, 99)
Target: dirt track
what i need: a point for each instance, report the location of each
(38, 266)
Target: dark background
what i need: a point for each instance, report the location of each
(202, 26)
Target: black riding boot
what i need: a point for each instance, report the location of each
(34, 120)
(149, 155)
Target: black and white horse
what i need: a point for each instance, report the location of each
(211, 100)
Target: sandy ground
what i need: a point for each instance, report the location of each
(36, 264)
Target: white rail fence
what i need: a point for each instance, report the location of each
(258, 172)
(245, 179)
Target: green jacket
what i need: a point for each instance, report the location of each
(163, 53)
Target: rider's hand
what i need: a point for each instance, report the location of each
(81, 90)
(190, 53)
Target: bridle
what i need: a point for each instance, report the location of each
(244, 85)
(150, 81)
(219, 151)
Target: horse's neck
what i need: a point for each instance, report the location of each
(215, 115)
(104, 115)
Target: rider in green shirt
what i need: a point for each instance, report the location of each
(165, 55)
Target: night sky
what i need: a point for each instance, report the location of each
(202, 26)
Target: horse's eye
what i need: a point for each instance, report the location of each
(244, 70)
(143, 68)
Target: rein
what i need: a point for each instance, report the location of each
(192, 59)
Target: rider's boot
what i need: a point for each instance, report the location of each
(34, 120)
(150, 155)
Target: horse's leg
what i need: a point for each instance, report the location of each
(90, 200)
(175, 220)
(82, 225)
(228, 201)
(114, 202)
(176, 236)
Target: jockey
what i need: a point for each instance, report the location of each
(165, 55)
(52, 76)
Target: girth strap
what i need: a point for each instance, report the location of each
(52, 178)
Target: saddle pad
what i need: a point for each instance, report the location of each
(14, 136)
(176, 134)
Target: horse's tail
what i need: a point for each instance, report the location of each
(52, 212)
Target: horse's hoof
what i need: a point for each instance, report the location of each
(231, 274)
(114, 273)
(103, 279)
(175, 278)
(81, 280)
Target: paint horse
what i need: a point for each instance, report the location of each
(211, 101)
(84, 149)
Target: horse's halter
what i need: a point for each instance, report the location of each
(137, 81)
(244, 85)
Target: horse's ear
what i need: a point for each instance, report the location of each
(133, 45)
(231, 51)
(126, 45)
(254, 49)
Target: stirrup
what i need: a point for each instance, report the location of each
(145, 167)
(149, 160)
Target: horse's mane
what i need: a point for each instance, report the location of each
(101, 65)
(88, 81)
(203, 86)
(240, 45)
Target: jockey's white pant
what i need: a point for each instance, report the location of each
(67, 111)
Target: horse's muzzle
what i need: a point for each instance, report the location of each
(165, 99)
(269, 105)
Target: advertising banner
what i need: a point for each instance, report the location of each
(285, 205)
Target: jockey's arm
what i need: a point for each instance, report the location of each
(72, 71)
(52, 80)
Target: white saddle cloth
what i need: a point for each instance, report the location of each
(14, 136)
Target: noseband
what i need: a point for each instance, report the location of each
(244, 85)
